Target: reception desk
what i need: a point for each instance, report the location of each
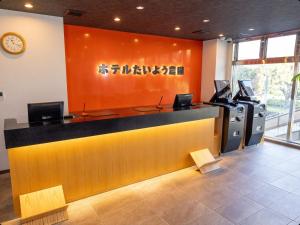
(105, 150)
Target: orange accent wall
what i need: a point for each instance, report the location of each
(87, 48)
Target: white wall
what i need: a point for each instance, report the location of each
(216, 65)
(37, 75)
(209, 61)
(224, 60)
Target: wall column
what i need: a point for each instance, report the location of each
(216, 65)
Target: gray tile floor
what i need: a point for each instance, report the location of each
(258, 186)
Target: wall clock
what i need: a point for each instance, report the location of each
(13, 43)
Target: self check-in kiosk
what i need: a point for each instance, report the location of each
(233, 116)
(255, 113)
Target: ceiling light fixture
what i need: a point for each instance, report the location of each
(117, 19)
(206, 21)
(251, 29)
(221, 35)
(140, 7)
(28, 5)
(177, 28)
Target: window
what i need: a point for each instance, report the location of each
(272, 84)
(281, 46)
(249, 50)
(271, 68)
(233, 51)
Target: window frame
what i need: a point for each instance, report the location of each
(263, 51)
(264, 60)
(278, 37)
(238, 48)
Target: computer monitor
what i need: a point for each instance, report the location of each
(223, 89)
(183, 100)
(246, 87)
(44, 112)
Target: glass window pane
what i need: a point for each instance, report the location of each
(281, 46)
(233, 51)
(272, 85)
(296, 120)
(249, 50)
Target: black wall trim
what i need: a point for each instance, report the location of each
(4, 171)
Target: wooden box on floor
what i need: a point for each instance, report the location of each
(44, 207)
(205, 161)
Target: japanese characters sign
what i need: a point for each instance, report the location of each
(105, 69)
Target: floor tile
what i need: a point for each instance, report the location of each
(128, 216)
(82, 214)
(239, 210)
(162, 202)
(211, 218)
(288, 206)
(247, 186)
(266, 217)
(247, 168)
(267, 195)
(220, 198)
(180, 214)
(268, 174)
(288, 183)
(293, 223)
(289, 166)
(295, 173)
(7, 211)
(297, 219)
(106, 203)
(153, 220)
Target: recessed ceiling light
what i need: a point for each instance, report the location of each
(251, 29)
(221, 35)
(177, 28)
(206, 20)
(28, 5)
(117, 19)
(140, 7)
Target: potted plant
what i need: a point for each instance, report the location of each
(296, 77)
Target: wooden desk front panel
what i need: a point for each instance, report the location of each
(91, 165)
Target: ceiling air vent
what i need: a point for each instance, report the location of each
(200, 32)
(74, 12)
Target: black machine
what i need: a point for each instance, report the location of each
(183, 101)
(255, 113)
(233, 117)
(45, 112)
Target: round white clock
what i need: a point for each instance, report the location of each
(13, 43)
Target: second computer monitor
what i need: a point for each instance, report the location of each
(183, 100)
(223, 89)
(246, 87)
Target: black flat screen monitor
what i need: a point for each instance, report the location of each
(246, 87)
(183, 101)
(223, 89)
(45, 112)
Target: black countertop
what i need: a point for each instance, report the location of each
(101, 122)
